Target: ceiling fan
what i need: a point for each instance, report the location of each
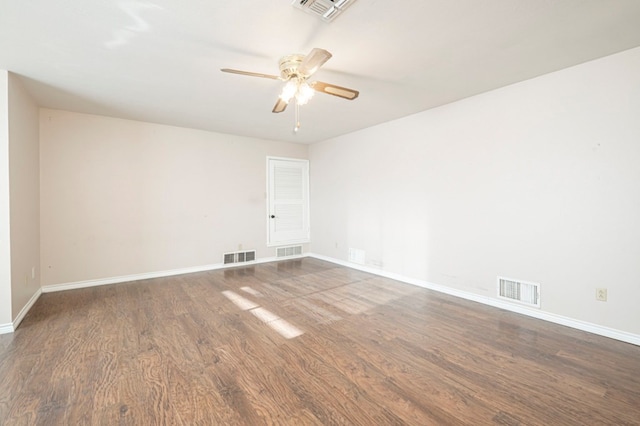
(295, 70)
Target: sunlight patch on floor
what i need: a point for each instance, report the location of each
(239, 301)
(277, 324)
(251, 291)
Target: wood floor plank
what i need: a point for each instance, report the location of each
(303, 342)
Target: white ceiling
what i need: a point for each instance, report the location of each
(159, 61)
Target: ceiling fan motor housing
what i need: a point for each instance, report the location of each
(289, 65)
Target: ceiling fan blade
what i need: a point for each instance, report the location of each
(250, 74)
(279, 106)
(332, 89)
(313, 61)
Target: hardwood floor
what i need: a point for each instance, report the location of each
(303, 342)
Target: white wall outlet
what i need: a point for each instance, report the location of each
(601, 294)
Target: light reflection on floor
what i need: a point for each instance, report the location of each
(239, 301)
(251, 291)
(277, 324)
(361, 296)
(283, 327)
(318, 314)
(311, 297)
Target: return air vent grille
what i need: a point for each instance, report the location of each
(289, 251)
(519, 291)
(327, 10)
(240, 257)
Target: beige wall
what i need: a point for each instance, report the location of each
(538, 181)
(5, 246)
(24, 178)
(122, 197)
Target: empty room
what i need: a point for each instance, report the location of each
(323, 212)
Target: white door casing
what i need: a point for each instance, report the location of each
(287, 201)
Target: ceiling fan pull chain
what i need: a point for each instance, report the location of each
(297, 124)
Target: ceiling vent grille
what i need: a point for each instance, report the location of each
(239, 257)
(327, 10)
(526, 293)
(289, 251)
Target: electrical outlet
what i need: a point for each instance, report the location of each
(601, 294)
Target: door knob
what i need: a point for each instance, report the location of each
(273, 216)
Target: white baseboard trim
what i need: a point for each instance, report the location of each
(535, 313)
(159, 274)
(26, 308)
(11, 327)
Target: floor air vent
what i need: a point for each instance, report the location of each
(240, 257)
(519, 291)
(288, 251)
(327, 10)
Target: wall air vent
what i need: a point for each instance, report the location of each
(522, 292)
(288, 251)
(239, 257)
(327, 10)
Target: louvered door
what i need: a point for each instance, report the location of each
(288, 201)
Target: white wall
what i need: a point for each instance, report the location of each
(538, 181)
(24, 179)
(122, 197)
(5, 246)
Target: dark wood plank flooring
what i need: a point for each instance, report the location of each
(303, 342)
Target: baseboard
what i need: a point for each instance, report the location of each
(557, 319)
(159, 274)
(26, 308)
(11, 327)
(535, 313)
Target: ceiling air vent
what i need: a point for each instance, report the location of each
(522, 292)
(327, 10)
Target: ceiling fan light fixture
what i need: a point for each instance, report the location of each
(289, 91)
(300, 90)
(305, 92)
